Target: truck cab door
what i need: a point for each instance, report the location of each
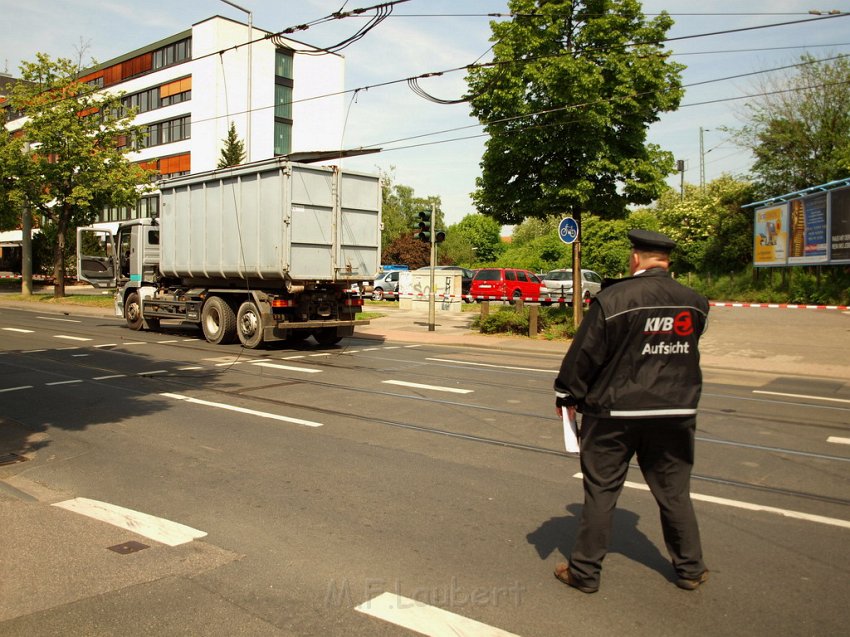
(96, 257)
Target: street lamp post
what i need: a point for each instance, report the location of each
(250, 38)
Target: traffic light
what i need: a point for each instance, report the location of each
(423, 225)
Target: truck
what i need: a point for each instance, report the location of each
(266, 251)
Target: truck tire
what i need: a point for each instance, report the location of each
(133, 311)
(218, 321)
(249, 325)
(327, 336)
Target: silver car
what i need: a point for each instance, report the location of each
(385, 286)
(560, 284)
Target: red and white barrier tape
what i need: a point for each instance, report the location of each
(784, 306)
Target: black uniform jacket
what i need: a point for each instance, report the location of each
(635, 354)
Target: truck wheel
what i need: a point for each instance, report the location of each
(249, 325)
(133, 311)
(327, 336)
(218, 321)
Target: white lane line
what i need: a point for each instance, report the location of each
(79, 355)
(242, 410)
(778, 393)
(152, 372)
(67, 349)
(171, 341)
(749, 506)
(392, 347)
(452, 390)
(109, 377)
(18, 329)
(34, 351)
(838, 441)
(108, 345)
(290, 358)
(135, 343)
(154, 528)
(288, 368)
(370, 349)
(411, 346)
(64, 382)
(319, 354)
(229, 363)
(71, 338)
(3, 391)
(52, 318)
(521, 369)
(424, 619)
(189, 368)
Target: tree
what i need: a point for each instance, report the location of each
(399, 209)
(407, 251)
(70, 155)
(799, 130)
(567, 104)
(483, 234)
(233, 152)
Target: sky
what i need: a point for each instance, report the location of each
(433, 148)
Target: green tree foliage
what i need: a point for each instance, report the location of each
(567, 105)
(799, 131)
(713, 233)
(482, 234)
(67, 162)
(233, 152)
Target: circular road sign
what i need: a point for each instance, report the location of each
(568, 230)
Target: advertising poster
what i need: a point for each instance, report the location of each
(771, 236)
(807, 230)
(840, 235)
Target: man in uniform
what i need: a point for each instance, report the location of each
(633, 372)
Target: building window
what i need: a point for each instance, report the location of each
(172, 130)
(283, 63)
(282, 138)
(283, 101)
(172, 54)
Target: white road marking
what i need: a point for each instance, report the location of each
(51, 318)
(749, 506)
(134, 343)
(288, 368)
(67, 349)
(108, 345)
(64, 382)
(370, 349)
(392, 347)
(319, 354)
(424, 619)
(71, 338)
(242, 410)
(152, 372)
(157, 529)
(78, 355)
(838, 441)
(18, 329)
(109, 377)
(15, 388)
(777, 393)
(191, 367)
(521, 369)
(411, 346)
(171, 341)
(289, 358)
(229, 363)
(452, 390)
(34, 351)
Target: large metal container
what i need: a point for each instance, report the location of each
(271, 220)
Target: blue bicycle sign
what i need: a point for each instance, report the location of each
(568, 230)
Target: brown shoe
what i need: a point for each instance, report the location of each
(562, 572)
(692, 584)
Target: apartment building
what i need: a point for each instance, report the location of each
(283, 96)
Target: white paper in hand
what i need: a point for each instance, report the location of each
(570, 432)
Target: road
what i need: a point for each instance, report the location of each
(419, 476)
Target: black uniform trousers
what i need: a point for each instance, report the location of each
(665, 453)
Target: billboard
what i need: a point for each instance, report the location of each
(771, 237)
(810, 230)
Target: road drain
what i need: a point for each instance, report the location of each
(11, 458)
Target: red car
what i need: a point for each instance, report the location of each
(508, 284)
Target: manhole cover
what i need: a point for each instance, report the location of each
(11, 458)
(128, 547)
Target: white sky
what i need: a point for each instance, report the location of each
(406, 45)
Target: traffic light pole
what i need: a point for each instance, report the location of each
(432, 296)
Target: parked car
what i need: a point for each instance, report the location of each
(465, 275)
(560, 284)
(508, 284)
(385, 286)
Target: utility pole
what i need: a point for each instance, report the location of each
(701, 160)
(432, 311)
(680, 166)
(26, 245)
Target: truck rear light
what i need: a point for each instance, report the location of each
(354, 302)
(283, 303)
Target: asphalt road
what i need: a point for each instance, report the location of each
(421, 476)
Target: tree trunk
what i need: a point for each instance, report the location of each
(59, 255)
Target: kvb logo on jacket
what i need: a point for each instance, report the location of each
(681, 325)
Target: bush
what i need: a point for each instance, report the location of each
(552, 322)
